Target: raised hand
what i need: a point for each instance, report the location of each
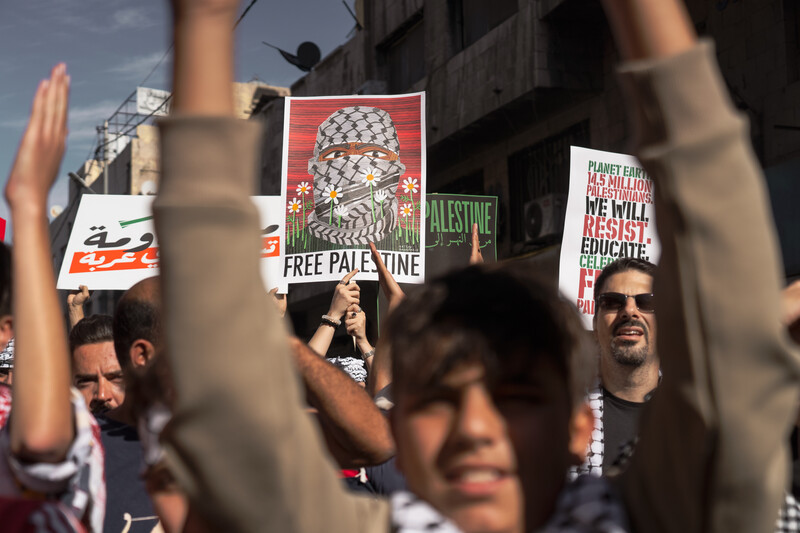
(205, 7)
(75, 301)
(79, 297)
(345, 294)
(475, 257)
(42, 427)
(42, 147)
(356, 323)
(280, 301)
(388, 284)
(203, 62)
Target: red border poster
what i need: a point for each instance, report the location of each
(354, 173)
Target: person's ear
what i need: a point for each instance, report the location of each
(581, 425)
(6, 329)
(141, 352)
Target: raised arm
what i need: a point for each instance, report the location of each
(274, 473)
(381, 370)
(356, 323)
(346, 293)
(41, 426)
(394, 293)
(475, 256)
(650, 29)
(356, 433)
(712, 454)
(75, 301)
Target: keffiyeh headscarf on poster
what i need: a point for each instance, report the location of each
(359, 224)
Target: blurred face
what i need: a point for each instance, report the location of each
(98, 377)
(627, 334)
(491, 459)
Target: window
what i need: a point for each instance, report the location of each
(469, 184)
(472, 19)
(791, 21)
(539, 170)
(405, 56)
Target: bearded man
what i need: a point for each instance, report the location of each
(625, 331)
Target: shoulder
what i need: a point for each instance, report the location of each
(590, 504)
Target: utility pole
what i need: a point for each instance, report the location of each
(108, 297)
(105, 157)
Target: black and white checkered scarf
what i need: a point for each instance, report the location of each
(586, 505)
(593, 464)
(789, 516)
(362, 220)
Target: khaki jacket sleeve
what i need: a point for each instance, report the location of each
(248, 456)
(713, 452)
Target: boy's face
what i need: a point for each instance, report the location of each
(491, 459)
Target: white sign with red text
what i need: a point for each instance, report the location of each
(610, 215)
(113, 243)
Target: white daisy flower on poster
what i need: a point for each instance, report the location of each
(332, 194)
(410, 185)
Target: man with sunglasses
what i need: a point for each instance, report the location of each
(625, 331)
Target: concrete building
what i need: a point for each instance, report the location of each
(511, 84)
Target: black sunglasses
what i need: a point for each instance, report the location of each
(614, 301)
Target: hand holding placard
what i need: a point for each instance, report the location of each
(345, 294)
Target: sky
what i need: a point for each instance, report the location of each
(110, 46)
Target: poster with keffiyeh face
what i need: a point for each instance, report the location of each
(354, 173)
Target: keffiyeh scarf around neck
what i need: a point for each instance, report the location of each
(593, 464)
(586, 505)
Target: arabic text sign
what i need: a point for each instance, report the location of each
(610, 215)
(270, 210)
(113, 243)
(448, 243)
(152, 101)
(353, 173)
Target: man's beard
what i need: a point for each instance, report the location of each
(627, 353)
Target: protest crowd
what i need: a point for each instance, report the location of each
(484, 405)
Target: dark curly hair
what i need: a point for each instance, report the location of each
(501, 317)
(622, 265)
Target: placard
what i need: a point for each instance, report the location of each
(610, 215)
(353, 173)
(449, 219)
(113, 243)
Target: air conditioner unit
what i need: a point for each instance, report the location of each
(544, 217)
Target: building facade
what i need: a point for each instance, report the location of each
(511, 84)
